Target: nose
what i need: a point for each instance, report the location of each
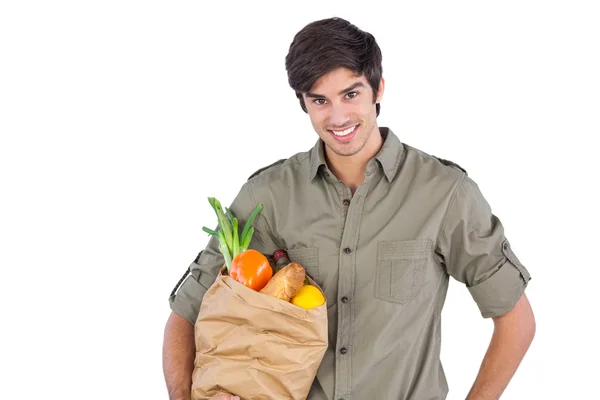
(339, 117)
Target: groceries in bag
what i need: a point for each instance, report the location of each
(260, 333)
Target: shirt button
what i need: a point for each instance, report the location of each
(327, 174)
(343, 350)
(344, 299)
(505, 246)
(347, 250)
(346, 202)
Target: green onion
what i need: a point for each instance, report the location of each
(246, 242)
(229, 215)
(249, 223)
(224, 225)
(236, 238)
(210, 231)
(226, 255)
(230, 242)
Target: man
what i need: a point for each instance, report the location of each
(381, 226)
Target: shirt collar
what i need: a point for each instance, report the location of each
(389, 156)
(317, 158)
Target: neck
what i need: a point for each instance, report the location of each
(351, 169)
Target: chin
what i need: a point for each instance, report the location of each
(344, 151)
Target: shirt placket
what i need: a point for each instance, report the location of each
(353, 209)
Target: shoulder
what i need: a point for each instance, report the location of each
(451, 164)
(266, 168)
(429, 164)
(294, 166)
(273, 184)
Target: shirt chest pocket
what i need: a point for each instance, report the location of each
(308, 257)
(401, 268)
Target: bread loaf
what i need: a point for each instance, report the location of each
(286, 282)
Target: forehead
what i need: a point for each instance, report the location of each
(335, 81)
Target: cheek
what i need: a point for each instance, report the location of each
(318, 118)
(366, 108)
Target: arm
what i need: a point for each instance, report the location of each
(513, 333)
(473, 247)
(179, 351)
(178, 359)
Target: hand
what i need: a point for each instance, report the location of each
(225, 397)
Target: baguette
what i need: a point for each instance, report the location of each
(286, 282)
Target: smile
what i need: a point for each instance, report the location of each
(346, 135)
(345, 132)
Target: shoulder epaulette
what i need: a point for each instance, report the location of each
(265, 168)
(451, 164)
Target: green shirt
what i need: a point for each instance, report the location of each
(383, 257)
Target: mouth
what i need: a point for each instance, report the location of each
(344, 135)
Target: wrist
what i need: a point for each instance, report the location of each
(479, 396)
(179, 394)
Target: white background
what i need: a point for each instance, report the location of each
(119, 118)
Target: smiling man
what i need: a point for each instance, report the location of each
(382, 227)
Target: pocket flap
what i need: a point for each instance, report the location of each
(306, 256)
(409, 249)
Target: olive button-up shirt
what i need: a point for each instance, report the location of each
(383, 257)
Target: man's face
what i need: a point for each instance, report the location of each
(342, 112)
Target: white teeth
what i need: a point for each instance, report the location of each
(345, 132)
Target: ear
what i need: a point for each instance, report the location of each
(380, 90)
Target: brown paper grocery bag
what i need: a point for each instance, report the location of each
(254, 345)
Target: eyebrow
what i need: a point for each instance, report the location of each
(348, 89)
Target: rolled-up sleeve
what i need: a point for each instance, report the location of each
(202, 273)
(476, 252)
(185, 300)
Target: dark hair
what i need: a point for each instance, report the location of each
(328, 44)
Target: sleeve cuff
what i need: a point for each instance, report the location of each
(186, 302)
(500, 292)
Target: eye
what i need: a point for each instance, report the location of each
(319, 102)
(352, 95)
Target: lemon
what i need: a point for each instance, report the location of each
(308, 297)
